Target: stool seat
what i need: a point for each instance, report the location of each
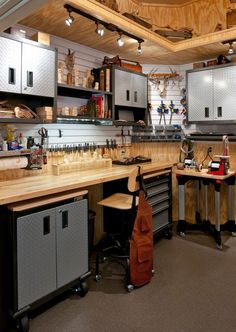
(119, 201)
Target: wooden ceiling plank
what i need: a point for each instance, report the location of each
(156, 49)
(164, 3)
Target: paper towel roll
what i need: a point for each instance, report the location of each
(13, 162)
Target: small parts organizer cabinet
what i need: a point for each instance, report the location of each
(49, 251)
(158, 188)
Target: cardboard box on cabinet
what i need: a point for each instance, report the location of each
(42, 38)
(199, 65)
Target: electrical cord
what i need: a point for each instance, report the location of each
(209, 150)
(188, 152)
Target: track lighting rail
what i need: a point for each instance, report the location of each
(108, 26)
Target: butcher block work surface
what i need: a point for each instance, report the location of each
(37, 186)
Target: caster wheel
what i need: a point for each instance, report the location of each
(153, 272)
(168, 234)
(219, 246)
(233, 234)
(98, 277)
(105, 259)
(82, 289)
(130, 288)
(182, 234)
(22, 324)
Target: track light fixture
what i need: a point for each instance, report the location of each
(101, 25)
(231, 45)
(120, 41)
(231, 48)
(70, 19)
(99, 30)
(139, 50)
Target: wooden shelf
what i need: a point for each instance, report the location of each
(84, 120)
(14, 153)
(17, 120)
(69, 90)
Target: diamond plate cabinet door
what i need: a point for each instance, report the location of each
(36, 256)
(38, 71)
(200, 96)
(211, 94)
(123, 85)
(224, 93)
(72, 241)
(10, 65)
(130, 89)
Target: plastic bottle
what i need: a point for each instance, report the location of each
(4, 146)
(23, 141)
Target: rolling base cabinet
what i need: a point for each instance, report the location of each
(49, 254)
(158, 188)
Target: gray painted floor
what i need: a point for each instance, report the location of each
(193, 290)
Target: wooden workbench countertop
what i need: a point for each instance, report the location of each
(37, 186)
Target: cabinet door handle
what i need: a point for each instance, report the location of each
(206, 112)
(30, 78)
(135, 96)
(11, 75)
(127, 95)
(64, 219)
(46, 225)
(219, 111)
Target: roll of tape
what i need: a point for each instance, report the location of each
(199, 167)
(13, 163)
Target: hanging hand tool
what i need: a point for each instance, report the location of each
(162, 110)
(173, 110)
(44, 134)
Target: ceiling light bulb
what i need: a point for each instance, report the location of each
(99, 30)
(120, 42)
(69, 20)
(139, 48)
(231, 49)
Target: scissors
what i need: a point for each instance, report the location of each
(43, 133)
